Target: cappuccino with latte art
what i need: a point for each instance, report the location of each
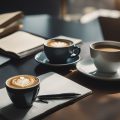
(58, 43)
(22, 90)
(23, 81)
(58, 51)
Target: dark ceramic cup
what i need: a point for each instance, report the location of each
(59, 50)
(23, 98)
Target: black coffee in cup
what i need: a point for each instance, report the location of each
(59, 50)
(22, 90)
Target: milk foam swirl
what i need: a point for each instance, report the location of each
(22, 81)
(58, 44)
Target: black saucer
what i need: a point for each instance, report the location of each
(41, 58)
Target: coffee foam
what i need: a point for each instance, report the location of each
(22, 81)
(109, 49)
(58, 44)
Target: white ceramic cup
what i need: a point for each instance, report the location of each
(106, 56)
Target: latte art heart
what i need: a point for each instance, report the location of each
(59, 44)
(22, 82)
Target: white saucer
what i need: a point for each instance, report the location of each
(87, 67)
(41, 58)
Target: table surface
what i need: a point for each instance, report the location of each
(103, 104)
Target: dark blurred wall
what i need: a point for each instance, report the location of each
(31, 6)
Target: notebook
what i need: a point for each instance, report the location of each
(10, 29)
(51, 83)
(10, 22)
(21, 44)
(8, 18)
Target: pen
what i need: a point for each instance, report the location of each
(58, 96)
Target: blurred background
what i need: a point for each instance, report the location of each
(65, 9)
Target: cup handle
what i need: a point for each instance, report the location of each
(36, 93)
(75, 51)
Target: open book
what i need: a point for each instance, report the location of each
(10, 22)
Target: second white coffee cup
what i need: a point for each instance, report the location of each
(106, 56)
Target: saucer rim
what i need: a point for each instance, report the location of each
(93, 76)
(55, 65)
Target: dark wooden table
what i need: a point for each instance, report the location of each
(103, 104)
